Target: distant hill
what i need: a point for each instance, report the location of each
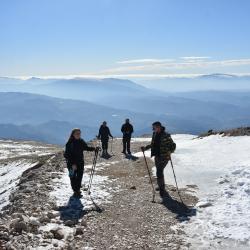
(48, 119)
(223, 82)
(87, 102)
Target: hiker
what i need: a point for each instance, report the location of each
(127, 130)
(104, 134)
(162, 145)
(75, 159)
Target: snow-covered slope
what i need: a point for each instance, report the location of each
(220, 167)
(15, 158)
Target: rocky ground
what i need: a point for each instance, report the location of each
(129, 220)
(242, 131)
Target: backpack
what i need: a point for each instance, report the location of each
(172, 147)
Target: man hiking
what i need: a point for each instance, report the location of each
(127, 130)
(104, 134)
(75, 159)
(162, 145)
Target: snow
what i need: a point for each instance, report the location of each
(220, 167)
(142, 139)
(15, 158)
(12, 149)
(99, 191)
(9, 176)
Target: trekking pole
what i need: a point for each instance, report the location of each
(92, 171)
(151, 181)
(178, 191)
(111, 147)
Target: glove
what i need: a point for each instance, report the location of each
(97, 149)
(142, 149)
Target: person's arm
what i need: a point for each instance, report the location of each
(132, 129)
(99, 134)
(122, 129)
(86, 147)
(169, 143)
(109, 133)
(148, 146)
(68, 154)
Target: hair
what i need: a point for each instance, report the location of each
(71, 137)
(157, 124)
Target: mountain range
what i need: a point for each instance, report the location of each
(47, 109)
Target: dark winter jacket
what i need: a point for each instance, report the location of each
(74, 152)
(127, 130)
(104, 133)
(162, 144)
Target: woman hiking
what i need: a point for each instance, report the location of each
(75, 159)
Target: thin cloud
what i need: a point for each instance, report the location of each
(146, 61)
(178, 65)
(195, 57)
(127, 76)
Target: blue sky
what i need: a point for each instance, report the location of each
(124, 37)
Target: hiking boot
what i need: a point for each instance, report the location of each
(164, 193)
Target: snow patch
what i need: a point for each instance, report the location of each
(99, 190)
(9, 175)
(220, 167)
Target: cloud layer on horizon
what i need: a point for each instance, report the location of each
(190, 63)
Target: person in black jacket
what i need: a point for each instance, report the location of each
(75, 159)
(127, 131)
(104, 134)
(162, 146)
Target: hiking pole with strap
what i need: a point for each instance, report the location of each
(149, 173)
(92, 171)
(178, 191)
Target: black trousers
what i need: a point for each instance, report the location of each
(160, 164)
(105, 144)
(76, 179)
(126, 144)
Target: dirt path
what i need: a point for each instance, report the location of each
(132, 221)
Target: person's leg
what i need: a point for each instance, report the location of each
(79, 180)
(124, 145)
(73, 182)
(106, 147)
(160, 164)
(103, 147)
(128, 145)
